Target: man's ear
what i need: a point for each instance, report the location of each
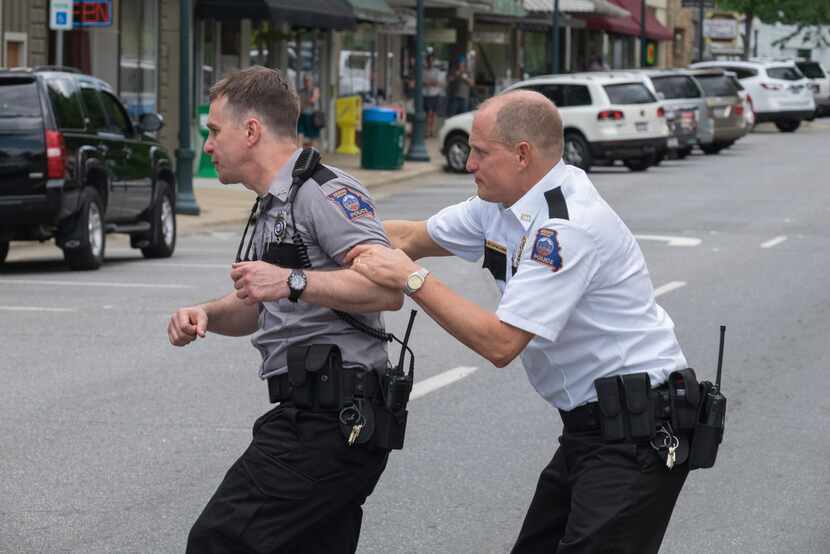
(523, 153)
(253, 131)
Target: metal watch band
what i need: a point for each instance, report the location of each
(421, 274)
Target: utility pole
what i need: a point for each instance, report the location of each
(554, 51)
(417, 147)
(700, 16)
(643, 46)
(185, 201)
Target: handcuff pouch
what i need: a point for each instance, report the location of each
(637, 389)
(609, 401)
(684, 397)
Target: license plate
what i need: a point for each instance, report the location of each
(641, 125)
(673, 142)
(722, 112)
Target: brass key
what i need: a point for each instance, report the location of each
(354, 434)
(671, 457)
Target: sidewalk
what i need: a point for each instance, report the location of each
(230, 204)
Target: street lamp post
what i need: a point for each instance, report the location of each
(643, 46)
(555, 39)
(700, 16)
(185, 201)
(417, 147)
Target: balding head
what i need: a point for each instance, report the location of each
(524, 115)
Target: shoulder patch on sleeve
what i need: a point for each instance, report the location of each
(546, 249)
(353, 204)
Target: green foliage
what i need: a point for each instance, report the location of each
(793, 12)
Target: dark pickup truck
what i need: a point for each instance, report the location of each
(73, 167)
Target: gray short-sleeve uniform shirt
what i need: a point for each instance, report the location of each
(331, 218)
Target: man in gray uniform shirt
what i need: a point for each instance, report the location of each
(300, 485)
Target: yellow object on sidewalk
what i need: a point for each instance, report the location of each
(348, 110)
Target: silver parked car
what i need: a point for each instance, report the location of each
(686, 113)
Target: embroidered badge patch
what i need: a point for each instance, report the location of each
(546, 249)
(352, 204)
(280, 227)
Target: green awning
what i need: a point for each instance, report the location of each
(510, 8)
(375, 11)
(313, 14)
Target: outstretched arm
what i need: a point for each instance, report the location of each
(412, 237)
(227, 316)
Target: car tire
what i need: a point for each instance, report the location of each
(638, 164)
(162, 225)
(576, 151)
(788, 126)
(711, 149)
(458, 150)
(682, 153)
(658, 158)
(4, 251)
(88, 233)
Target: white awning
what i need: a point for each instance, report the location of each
(598, 7)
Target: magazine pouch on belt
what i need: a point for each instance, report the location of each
(314, 373)
(610, 414)
(684, 397)
(637, 392)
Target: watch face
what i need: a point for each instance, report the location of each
(414, 281)
(297, 280)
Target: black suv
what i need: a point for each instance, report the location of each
(73, 167)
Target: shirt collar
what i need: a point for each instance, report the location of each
(281, 183)
(526, 207)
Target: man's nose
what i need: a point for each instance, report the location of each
(208, 147)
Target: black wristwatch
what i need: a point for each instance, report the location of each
(297, 282)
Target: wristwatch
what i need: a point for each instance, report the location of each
(415, 281)
(297, 282)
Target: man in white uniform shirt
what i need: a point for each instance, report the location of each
(577, 303)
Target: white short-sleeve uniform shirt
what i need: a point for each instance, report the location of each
(570, 272)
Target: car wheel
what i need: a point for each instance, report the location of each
(577, 152)
(84, 248)
(788, 126)
(458, 150)
(163, 225)
(658, 158)
(711, 148)
(4, 251)
(681, 153)
(638, 164)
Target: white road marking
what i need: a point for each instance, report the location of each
(33, 309)
(773, 242)
(441, 380)
(196, 266)
(672, 241)
(668, 287)
(92, 284)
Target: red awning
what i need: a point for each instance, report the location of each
(629, 25)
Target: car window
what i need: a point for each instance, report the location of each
(553, 92)
(629, 93)
(66, 102)
(717, 85)
(736, 83)
(811, 70)
(785, 73)
(94, 109)
(676, 86)
(577, 95)
(18, 98)
(743, 72)
(119, 122)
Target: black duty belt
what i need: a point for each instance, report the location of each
(355, 383)
(586, 418)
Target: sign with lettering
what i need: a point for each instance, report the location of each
(60, 15)
(93, 13)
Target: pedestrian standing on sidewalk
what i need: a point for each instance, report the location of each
(307, 127)
(577, 302)
(459, 85)
(300, 485)
(433, 85)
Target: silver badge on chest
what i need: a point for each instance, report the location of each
(280, 227)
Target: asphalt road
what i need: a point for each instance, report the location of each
(111, 440)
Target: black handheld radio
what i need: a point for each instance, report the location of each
(709, 430)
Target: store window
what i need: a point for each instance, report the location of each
(138, 72)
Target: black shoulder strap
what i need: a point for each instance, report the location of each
(307, 167)
(557, 207)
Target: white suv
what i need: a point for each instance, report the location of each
(607, 116)
(819, 84)
(779, 92)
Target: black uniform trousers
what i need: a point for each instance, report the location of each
(297, 489)
(601, 498)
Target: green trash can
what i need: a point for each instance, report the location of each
(206, 167)
(382, 139)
